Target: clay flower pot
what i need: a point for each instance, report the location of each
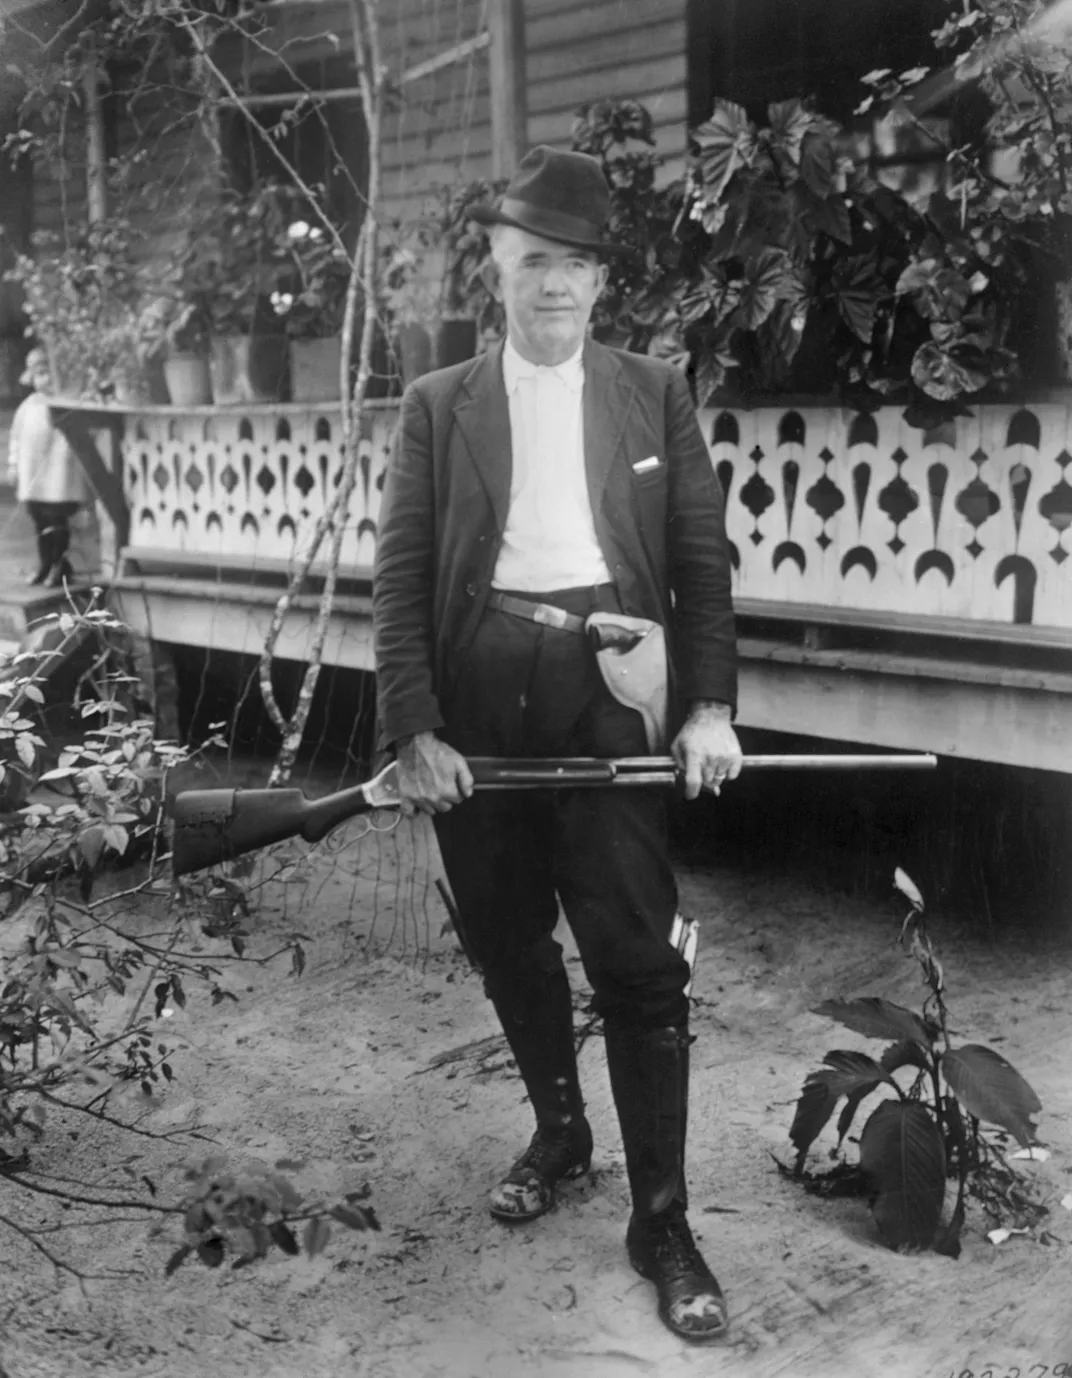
(314, 369)
(188, 381)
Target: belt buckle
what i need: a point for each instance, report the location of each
(549, 615)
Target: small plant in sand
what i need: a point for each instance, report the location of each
(240, 1210)
(923, 1132)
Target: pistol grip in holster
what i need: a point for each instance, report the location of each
(631, 655)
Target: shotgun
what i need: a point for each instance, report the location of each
(214, 825)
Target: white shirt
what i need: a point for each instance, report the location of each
(550, 537)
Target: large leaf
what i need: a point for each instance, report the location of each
(91, 842)
(859, 294)
(940, 293)
(712, 297)
(789, 121)
(902, 1154)
(904, 1053)
(992, 1089)
(727, 142)
(818, 160)
(843, 1073)
(876, 1018)
(852, 1104)
(770, 279)
(947, 1240)
(830, 216)
(942, 376)
(814, 1108)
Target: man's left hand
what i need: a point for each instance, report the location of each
(706, 749)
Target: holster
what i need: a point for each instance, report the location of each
(631, 654)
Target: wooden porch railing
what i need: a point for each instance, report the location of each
(246, 486)
(859, 514)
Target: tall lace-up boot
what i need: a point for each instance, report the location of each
(539, 1031)
(649, 1074)
(59, 567)
(44, 557)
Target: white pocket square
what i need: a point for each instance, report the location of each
(645, 466)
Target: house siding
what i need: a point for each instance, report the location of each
(437, 130)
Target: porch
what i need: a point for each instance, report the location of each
(894, 586)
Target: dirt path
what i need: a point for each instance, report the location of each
(335, 1070)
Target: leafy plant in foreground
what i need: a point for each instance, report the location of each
(243, 1210)
(86, 978)
(916, 1138)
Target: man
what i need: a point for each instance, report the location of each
(549, 479)
(47, 476)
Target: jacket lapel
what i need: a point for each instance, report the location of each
(610, 403)
(483, 418)
(608, 399)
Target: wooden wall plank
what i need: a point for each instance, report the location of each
(640, 79)
(631, 47)
(597, 22)
(440, 134)
(408, 35)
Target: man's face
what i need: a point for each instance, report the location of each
(547, 290)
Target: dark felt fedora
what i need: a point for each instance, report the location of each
(560, 196)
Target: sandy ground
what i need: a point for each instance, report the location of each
(338, 1071)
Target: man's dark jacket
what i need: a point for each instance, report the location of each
(445, 504)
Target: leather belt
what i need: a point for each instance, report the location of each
(544, 613)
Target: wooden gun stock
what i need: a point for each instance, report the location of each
(214, 825)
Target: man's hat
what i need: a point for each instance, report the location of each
(560, 196)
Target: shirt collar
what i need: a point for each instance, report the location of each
(515, 368)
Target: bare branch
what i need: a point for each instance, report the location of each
(370, 75)
(76, 1198)
(31, 1238)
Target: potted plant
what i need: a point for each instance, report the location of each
(96, 312)
(621, 134)
(186, 361)
(433, 284)
(1010, 192)
(234, 259)
(469, 312)
(794, 271)
(311, 305)
(412, 289)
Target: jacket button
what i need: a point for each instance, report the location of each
(471, 590)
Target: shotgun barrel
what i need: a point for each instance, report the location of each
(214, 825)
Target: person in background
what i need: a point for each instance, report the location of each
(46, 474)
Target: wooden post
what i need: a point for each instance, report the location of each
(509, 108)
(96, 154)
(86, 433)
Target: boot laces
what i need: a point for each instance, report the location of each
(548, 1152)
(675, 1250)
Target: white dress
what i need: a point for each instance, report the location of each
(43, 466)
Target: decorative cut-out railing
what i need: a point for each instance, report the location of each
(860, 511)
(248, 485)
(825, 508)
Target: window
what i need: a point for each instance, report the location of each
(324, 142)
(754, 52)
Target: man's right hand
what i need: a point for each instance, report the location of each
(432, 776)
